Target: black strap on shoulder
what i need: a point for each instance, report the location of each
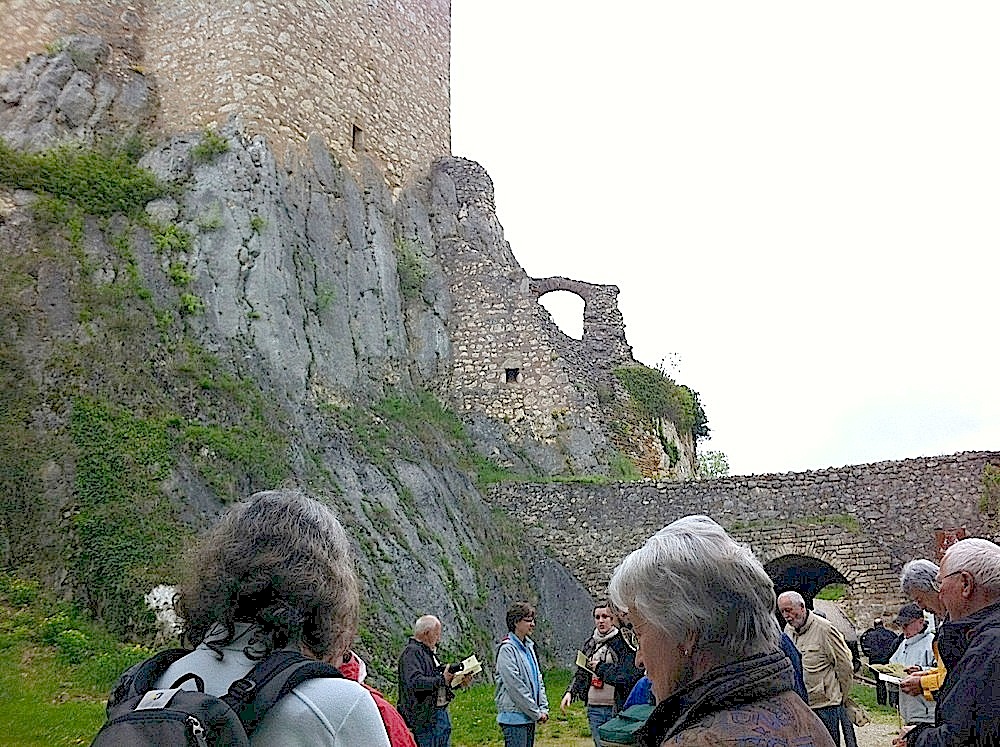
(141, 677)
(253, 695)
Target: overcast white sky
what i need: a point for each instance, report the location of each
(801, 200)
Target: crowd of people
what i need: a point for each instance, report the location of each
(690, 631)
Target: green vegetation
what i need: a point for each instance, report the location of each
(712, 465)
(56, 667)
(257, 223)
(210, 219)
(412, 269)
(179, 274)
(190, 304)
(325, 296)
(474, 715)
(658, 397)
(125, 529)
(170, 239)
(989, 500)
(880, 714)
(845, 521)
(832, 592)
(211, 145)
(100, 183)
(624, 469)
(127, 397)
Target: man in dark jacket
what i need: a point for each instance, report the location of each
(879, 644)
(968, 703)
(424, 686)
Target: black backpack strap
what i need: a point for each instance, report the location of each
(253, 695)
(141, 677)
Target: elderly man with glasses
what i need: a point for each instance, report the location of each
(968, 703)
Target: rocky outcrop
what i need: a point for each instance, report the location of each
(255, 318)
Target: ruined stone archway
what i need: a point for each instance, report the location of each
(803, 574)
(603, 323)
(567, 311)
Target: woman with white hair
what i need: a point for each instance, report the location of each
(703, 608)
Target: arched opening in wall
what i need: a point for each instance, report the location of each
(566, 310)
(820, 584)
(803, 574)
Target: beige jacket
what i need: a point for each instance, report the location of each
(826, 661)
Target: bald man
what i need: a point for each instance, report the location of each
(425, 686)
(826, 661)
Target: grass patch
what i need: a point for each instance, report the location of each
(56, 668)
(474, 715)
(832, 592)
(209, 147)
(865, 695)
(100, 183)
(412, 269)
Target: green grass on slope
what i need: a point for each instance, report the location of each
(56, 668)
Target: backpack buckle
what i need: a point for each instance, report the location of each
(242, 688)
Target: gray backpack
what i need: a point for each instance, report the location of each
(141, 715)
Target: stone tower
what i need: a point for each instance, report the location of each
(370, 76)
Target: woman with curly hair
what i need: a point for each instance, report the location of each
(276, 573)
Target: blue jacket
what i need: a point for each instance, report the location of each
(520, 692)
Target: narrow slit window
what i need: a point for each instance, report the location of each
(357, 139)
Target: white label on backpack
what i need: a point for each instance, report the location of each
(156, 699)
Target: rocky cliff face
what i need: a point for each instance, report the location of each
(254, 324)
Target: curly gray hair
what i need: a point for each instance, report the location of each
(281, 561)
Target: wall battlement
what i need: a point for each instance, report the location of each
(370, 77)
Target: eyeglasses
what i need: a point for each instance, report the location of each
(939, 581)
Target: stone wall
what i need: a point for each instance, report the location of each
(368, 76)
(513, 364)
(504, 362)
(864, 520)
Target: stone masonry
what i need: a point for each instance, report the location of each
(370, 76)
(864, 521)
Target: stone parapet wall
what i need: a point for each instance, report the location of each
(864, 520)
(287, 68)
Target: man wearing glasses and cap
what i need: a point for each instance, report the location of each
(915, 654)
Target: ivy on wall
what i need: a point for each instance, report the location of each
(658, 397)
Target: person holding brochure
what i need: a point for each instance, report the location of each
(520, 692)
(425, 685)
(605, 672)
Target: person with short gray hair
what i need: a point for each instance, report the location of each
(702, 607)
(968, 704)
(918, 581)
(826, 663)
(425, 685)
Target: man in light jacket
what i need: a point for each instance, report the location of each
(826, 660)
(916, 654)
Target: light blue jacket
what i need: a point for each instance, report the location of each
(520, 692)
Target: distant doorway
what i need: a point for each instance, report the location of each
(803, 574)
